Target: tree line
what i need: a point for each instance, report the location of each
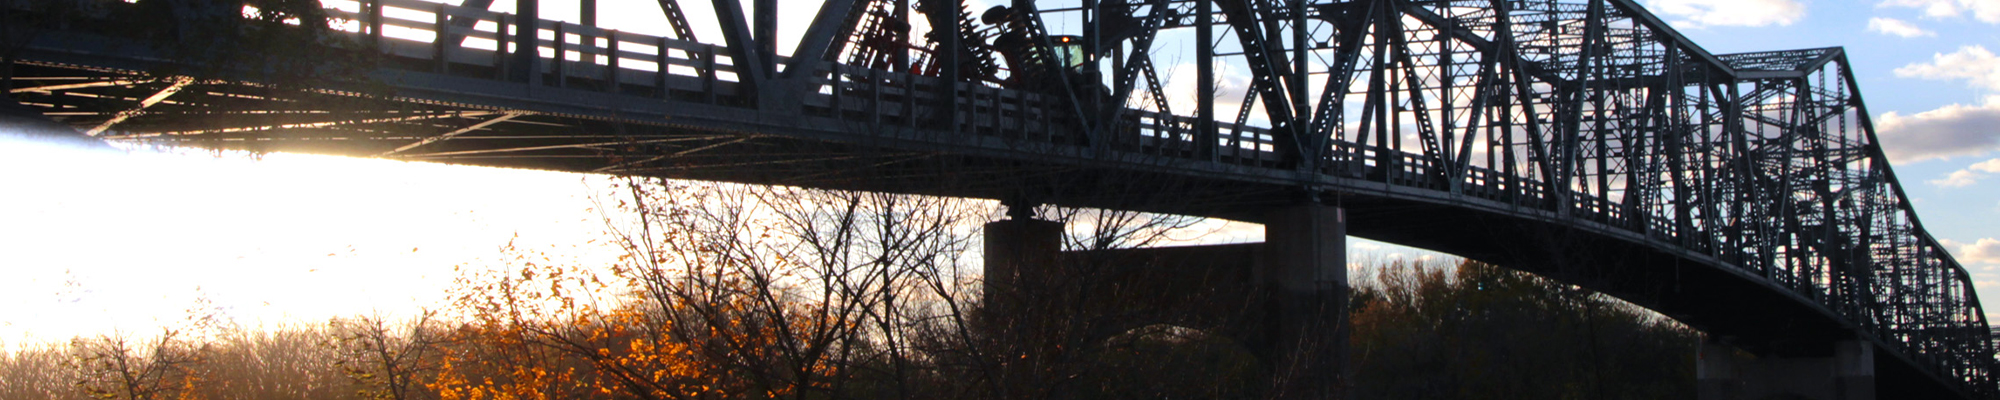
(749, 292)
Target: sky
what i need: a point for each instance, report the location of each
(131, 241)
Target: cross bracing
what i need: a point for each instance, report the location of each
(1559, 117)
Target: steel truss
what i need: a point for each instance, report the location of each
(1766, 161)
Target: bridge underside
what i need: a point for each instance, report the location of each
(1752, 312)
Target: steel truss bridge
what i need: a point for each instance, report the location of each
(1743, 194)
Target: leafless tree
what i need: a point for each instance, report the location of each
(37, 372)
(796, 291)
(284, 362)
(392, 361)
(116, 366)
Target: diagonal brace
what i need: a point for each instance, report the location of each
(178, 84)
(73, 86)
(674, 154)
(448, 135)
(307, 125)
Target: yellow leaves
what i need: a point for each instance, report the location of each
(729, 302)
(579, 351)
(189, 388)
(497, 365)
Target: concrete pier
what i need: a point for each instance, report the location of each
(1846, 372)
(1305, 279)
(1017, 251)
(1285, 299)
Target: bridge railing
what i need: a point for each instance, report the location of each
(476, 43)
(462, 41)
(886, 98)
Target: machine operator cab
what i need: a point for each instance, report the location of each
(1068, 51)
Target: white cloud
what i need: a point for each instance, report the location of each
(1699, 13)
(1973, 63)
(1952, 130)
(1959, 178)
(1984, 10)
(1949, 131)
(1896, 27)
(1982, 251)
(1969, 175)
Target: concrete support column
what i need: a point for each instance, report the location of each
(1305, 279)
(1018, 251)
(1847, 373)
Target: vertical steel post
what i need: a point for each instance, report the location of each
(1205, 130)
(374, 18)
(441, 39)
(500, 42)
(947, 17)
(1096, 112)
(611, 70)
(708, 73)
(527, 42)
(901, 54)
(1301, 104)
(558, 64)
(661, 58)
(586, 16)
(765, 22)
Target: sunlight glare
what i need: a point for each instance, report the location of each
(102, 240)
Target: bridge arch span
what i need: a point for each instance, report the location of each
(1584, 140)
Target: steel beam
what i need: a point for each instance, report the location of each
(302, 125)
(817, 45)
(72, 86)
(175, 86)
(460, 131)
(681, 153)
(749, 63)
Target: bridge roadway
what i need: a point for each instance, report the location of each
(1782, 240)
